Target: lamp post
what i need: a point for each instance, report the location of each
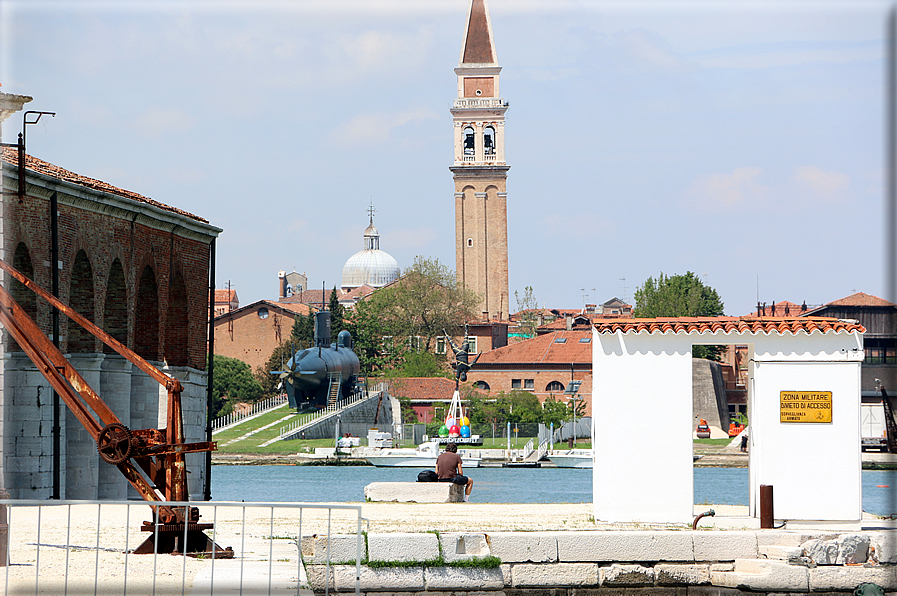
(572, 391)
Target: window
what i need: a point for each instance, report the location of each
(529, 384)
(470, 242)
(554, 386)
(880, 350)
(481, 385)
(263, 313)
(468, 141)
(560, 340)
(440, 345)
(489, 140)
(415, 342)
(515, 384)
(585, 340)
(471, 344)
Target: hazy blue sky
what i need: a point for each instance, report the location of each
(739, 140)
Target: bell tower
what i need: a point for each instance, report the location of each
(480, 171)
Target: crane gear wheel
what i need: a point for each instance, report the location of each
(114, 443)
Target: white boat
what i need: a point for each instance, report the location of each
(573, 458)
(424, 456)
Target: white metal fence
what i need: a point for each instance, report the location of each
(257, 408)
(287, 431)
(76, 548)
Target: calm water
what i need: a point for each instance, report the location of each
(313, 484)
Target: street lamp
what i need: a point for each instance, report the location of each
(572, 390)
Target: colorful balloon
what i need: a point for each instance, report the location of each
(465, 421)
(443, 431)
(454, 431)
(465, 431)
(450, 422)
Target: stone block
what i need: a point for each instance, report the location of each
(885, 545)
(724, 546)
(343, 548)
(403, 547)
(763, 575)
(717, 567)
(788, 537)
(843, 550)
(463, 578)
(842, 579)
(681, 575)
(506, 574)
(781, 553)
(524, 547)
(457, 546)
(562, 575)
(625, 546)
(382, 579)
(713, 591)
(414, 492)
(626, 576)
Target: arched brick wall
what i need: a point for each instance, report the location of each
(176, 335)
(26, 298)
(81, 298)
(146, 332)
(115, 313)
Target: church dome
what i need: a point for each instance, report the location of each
(370, 266)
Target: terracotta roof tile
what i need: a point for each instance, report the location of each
(756, 325)
(553, 347)
(225, 295)
(10, 155)
(424, 388)
(861, 299)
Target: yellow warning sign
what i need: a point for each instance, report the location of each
(805, 406)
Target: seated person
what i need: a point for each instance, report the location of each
(449, 469)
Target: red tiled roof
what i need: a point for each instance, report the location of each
(756, 325)
(302, 309)
(312, 297)
(11, 156)
(544, 349)
(424, 388)
(225, 295)
(861, 299)
(777, 309)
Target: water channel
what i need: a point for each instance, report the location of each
(316, 484)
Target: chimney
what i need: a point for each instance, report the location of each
(569, 318)
(282, 284)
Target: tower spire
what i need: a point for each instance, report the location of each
(479, 47)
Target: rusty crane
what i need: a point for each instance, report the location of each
(152, 460)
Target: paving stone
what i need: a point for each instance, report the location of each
(681, 575)
(763, 575)
(627, 575)
(462, 578)
(458, 546)
(625, 546)
(885, 545)
(717, 567)
(343, 548)
(724, 546)
(403, 547)
(524, 547)
(524, 575)
(781, 553)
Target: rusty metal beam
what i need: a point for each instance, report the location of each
(168, 382)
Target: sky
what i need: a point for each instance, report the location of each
(742, 141)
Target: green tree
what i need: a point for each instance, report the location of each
(679, 296)
(554, 411)
(524, 407)
(233, 381)
(421, 364)
(337, 316)
(301, 337)
(424, 303)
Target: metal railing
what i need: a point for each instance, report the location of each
(84, 547)
(259, 407)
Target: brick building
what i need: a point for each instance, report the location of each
(226, 301)
(253, 332)
(543, 365)
(137, 268)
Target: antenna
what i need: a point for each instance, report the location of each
(623, 279)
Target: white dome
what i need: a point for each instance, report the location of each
(370, 266)
(373, 267)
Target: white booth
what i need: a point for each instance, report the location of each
(803, 404)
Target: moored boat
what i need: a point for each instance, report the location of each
(424, 456)
(573, 458)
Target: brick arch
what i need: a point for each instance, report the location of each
(81, 298)
(177, 352)
(555, 387)
(115, 310)
(146, 327)
(26, 298)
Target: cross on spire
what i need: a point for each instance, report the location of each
(371, 212)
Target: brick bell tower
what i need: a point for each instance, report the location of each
(480, 171)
